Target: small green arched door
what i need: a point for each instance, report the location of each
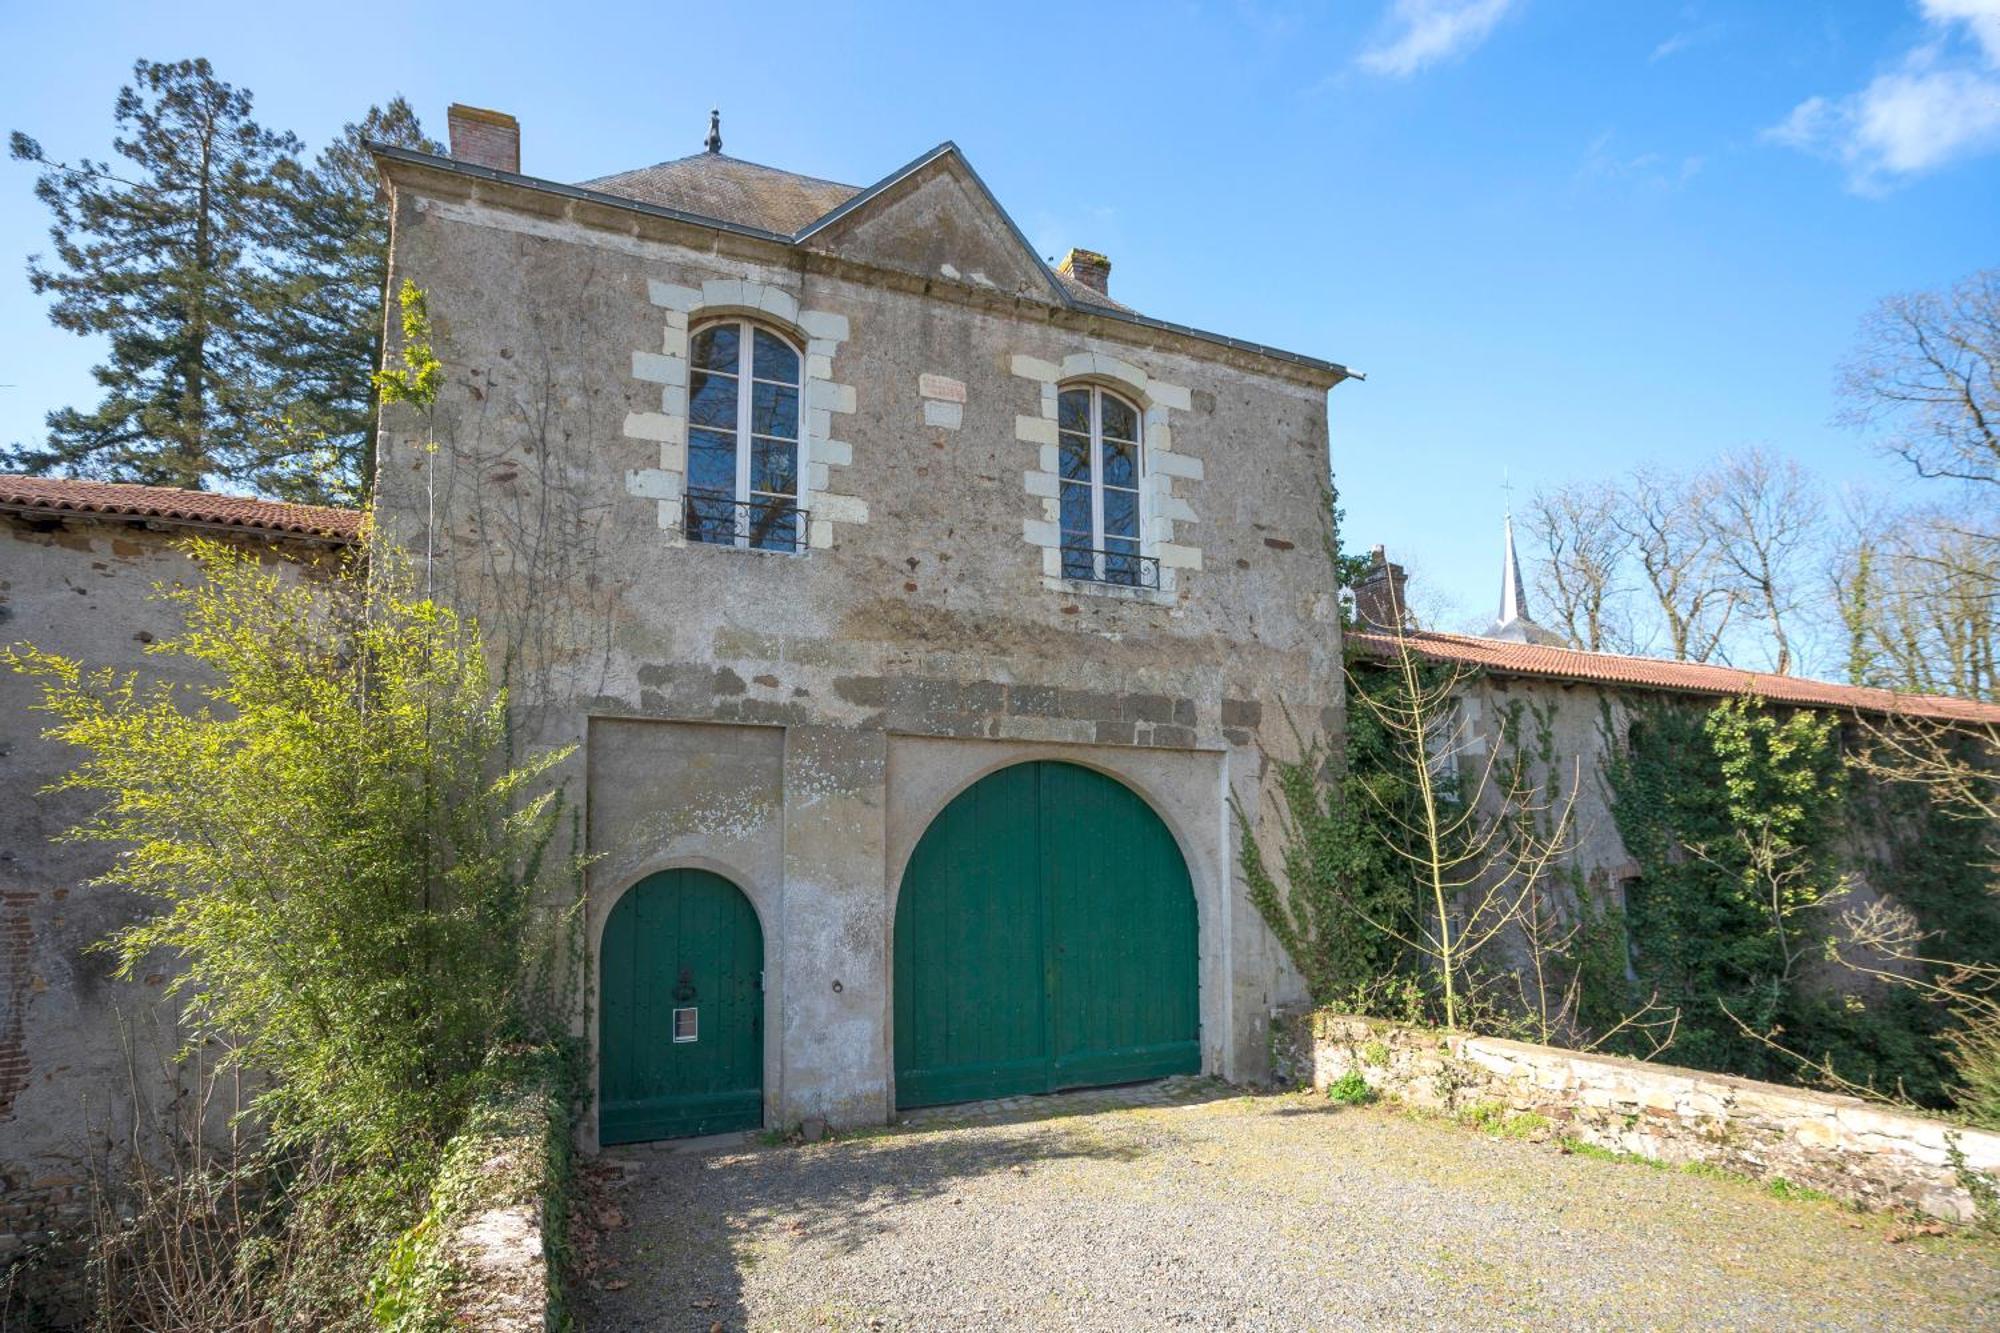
(681, 1036)
(1045, 939)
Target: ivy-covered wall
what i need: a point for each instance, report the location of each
(1712, 851)
(1727, 809)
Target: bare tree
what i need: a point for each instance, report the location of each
(1927, 369)
(1763, 515)
(1579, 569)
(1918, 594)
(1673, 541)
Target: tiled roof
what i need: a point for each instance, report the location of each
(1503, 658)
(56, 495)
(714, 186)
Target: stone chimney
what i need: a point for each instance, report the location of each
(485, 138)
(1378, 594)
(1090, 268)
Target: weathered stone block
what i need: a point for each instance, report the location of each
(1034, 368)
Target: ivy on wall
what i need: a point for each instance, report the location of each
(1746, 832)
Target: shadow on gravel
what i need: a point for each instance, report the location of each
(698, 1220)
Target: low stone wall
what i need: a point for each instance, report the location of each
(486, 1255)
(1858, 1152)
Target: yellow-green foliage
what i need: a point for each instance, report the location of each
(417, 380)
(514, 1151)
(341, 865)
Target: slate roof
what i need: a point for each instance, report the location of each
(785, 207)
(714, 185)
(749, 194)
(1503, 658)
(58, 496)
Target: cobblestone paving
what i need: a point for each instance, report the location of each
(1184, 1205)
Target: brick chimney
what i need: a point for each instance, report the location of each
(1378, 594)
(1090, 268)
(485, 138)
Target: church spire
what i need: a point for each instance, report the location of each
(1514, 624)
(1513, 593)
(714, 141)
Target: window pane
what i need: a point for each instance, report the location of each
(1073, 411)
(716, 347)
(1121, 464)
(1076, 513)
(712, 400)
(774, 410)
(771, 359)
(711, 462)
(1121, 422)
(1121, 513)
(710, 519)
(774, 523)
(1075, 462)
(1121, 560)
(774, 467)
(1078, 562)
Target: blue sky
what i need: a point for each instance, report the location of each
(1562, 237)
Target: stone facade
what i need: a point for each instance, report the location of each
(794, 721)
(1858, 1152)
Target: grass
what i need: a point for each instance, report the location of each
(1777, 1187)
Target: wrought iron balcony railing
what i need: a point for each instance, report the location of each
(1125, 569)
(763, 523)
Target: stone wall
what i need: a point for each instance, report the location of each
(80, 1051)
(487, 1254)
(1858, 1152)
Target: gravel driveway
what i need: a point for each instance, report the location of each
(1210, 1210)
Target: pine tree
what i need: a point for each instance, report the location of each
(164, 258)
(327, 328)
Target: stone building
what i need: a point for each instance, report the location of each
(79, 1050)
(917, 611)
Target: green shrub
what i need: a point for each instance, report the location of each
(1350, 1089)
(345, 871)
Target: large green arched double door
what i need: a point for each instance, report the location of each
(681, 1035)
(1045, 939)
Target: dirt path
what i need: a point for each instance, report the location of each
(1216, 1211)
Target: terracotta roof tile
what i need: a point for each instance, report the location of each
(57, 495)
(1504, 658)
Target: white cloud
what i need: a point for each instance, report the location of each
(1940, 104)
(1686, 39)
(1981, 18)
(1427, 31)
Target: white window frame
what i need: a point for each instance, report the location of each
(746, 382)
(1142, 538)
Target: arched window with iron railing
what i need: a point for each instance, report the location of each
(1102, 514)
(744, 460)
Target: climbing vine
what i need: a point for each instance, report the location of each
(1748, 835)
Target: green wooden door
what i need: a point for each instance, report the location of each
(681, 1047)
(1045, 939)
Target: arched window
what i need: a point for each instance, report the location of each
(1099, 433)
(743, 463)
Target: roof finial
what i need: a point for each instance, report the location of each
(714, 142)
